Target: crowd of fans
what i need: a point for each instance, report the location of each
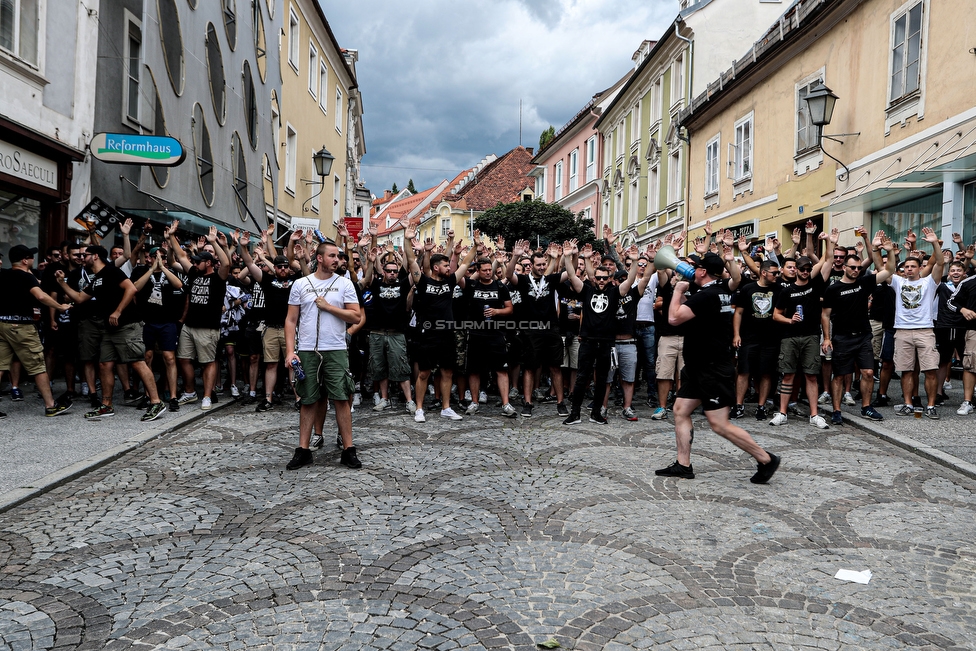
(442, 327)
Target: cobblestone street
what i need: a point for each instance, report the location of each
(490, 533)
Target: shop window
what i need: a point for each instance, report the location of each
(230, 22)
(20, 220)
(204, 154)
(171, 37)
(260, 42)
(19, 28)
(250, 107)
(161, 174)
(239, 166)
(915, 214)
(215, 70)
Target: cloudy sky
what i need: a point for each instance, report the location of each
(441, 80)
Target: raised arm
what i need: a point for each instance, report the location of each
(252, 267)
(518, 250)
(410, 259)
(180, 257)
(744, 249)
(571, 276)
(224, 269)
(462, 269)
(938, 260)
(634, 254)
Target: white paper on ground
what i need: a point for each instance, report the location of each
(856, 577)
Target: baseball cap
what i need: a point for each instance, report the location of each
(21, 252)
(203, 255)
(712, 264)
(803, 261)
(279, 259)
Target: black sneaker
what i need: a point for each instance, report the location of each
(249, 400)
(527, 410)
(764, 471)
(562, 409)
(2, 415)
(738, 411)
(598, 418)
(94, 401)
(174, 404)
(940, 399)
(837, 418)
(131, 397)
(303, 457)
(144, 403)
(58, 409)
(264, 405)
(871, 413)
(676, 470)
(349, 458)
(153, 412)
(573, 419)
(66, 398)
(880, 401)
(761, 413)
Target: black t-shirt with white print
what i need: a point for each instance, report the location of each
(537, 299)
(599, 311)
(433, 302)
(206, 294)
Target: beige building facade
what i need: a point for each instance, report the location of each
(898, 153)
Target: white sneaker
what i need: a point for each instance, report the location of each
(965, 409)
(411, 406)
(819, 422)
(205, 404)
(467, 395)
(430, 390)
(187, 398)
(357, 399)
(381, 405)
(779, 419)
(848, 399)
(824, 398)
(947, 386)
(508, 411)
(471, 410)
(234, 391)
(482, 397)
(376, 399)
(513, 393)
(418, 416)
(450, 413)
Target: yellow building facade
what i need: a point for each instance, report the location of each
(904, 125)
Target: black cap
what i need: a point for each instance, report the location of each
(21, 252)
(712, 264)
(279, 259)
(203, 255)
(620, 275)
(803, 261)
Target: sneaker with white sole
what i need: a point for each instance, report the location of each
(947, 386)
(513, 394)
(317, 442)
(418, 416)
(824, 398)
(450, 414)
(848, 399)
(381, 405)
(357, 399)
(781, 419)
(234, 391)
(467, 395)
(411, 406)
(659, 414)
(471, 410)
(905, 410)
(187, 398)
(482, 397)
(965, 409)
(376, 399)
(508, 411)
(206, 404)
(819, 422)
(628, 414)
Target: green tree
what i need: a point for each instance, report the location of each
(547, 137)
(411, 187)
(394, 190)
(536, 221)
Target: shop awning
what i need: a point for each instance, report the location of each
(955, 170)
(191, 220)
(877, 196)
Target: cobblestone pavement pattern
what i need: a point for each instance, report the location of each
(489, 533)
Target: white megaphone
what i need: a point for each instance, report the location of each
(666, 258)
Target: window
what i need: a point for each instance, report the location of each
(161, 174)
(573, 170)
(712, 165)
(557, 183)
(171, 40)
(313, 67)
(19, 28)
(204, 154)
(291, 162)
(293, 36)
(230, 23)
(276, 126)
(618, 137)
(742, 168)
(260, 42)
(677, 80)
(591, 159)
(806, 132)
(239, 164)
(132, 62)
(323, 84)
(250, 106)
(633, 208)
(336, 189)
(540, 184)
(215, 70)
(338, 110)
(316, 192)
(656, 102)
(653, 190)
(915, 214)
(674, 177)
(635, 123)
(906, 50)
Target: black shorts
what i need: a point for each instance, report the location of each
(487, 353)
(758, 358)
(251, 342)
(436, 349)
(65, 341)
(714, 387)
(542, 348)
(513, 339)
(164, 335)
(950, 342)
(852, 351)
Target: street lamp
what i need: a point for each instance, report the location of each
(322, 160)
(820, 102)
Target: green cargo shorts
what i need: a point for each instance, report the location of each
(327, 376)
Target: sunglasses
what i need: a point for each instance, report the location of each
(641, 264)
(773, 273)
(852, 266)
(281, 266)
(390, 271)
(601, 278)
(807, 269)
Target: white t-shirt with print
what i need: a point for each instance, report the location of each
(915, 303)
(331, 330)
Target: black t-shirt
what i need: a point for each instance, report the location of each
(757, 305)
(479, 296)
(18, 303)
(386, 305)
(599, 311)
(626, 315)
(661, 326)
(848, 303)
(806, 297)
(107, 292)
(433, 302)
(275, 292)
(159, 301)
(538, 299)
(206, 299)
(709, 335)
(883, 305)
(570, 309)
(833, 277)
(946, 318)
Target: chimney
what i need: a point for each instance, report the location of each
(529, 149)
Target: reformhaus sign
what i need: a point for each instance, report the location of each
(133, 149)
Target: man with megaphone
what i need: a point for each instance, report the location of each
(708, 377)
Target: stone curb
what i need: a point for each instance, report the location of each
(79, 468)
(913, 446)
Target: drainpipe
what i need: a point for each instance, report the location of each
(691, 71)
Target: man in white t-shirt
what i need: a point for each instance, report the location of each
(319, 307)
(915, 312)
